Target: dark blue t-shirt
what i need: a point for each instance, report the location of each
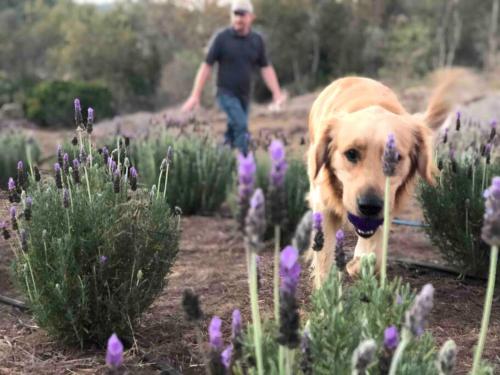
(237, 57)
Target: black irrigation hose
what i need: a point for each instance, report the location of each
(13, 302)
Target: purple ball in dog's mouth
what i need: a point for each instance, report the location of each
(364, 226)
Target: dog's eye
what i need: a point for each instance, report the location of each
(352, 155)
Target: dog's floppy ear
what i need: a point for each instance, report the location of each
(422, 154)
(321, 152)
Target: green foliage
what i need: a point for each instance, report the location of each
(341, 318)
(199, 176)
(14, 146)
(50, 103)
(75, 294)
(454, 210)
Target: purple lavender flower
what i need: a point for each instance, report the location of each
(390, 157)
(28, 203)
(306, 364)
(458, 122)
(493, 131)
(37, 174)
(416, 317)
(399, 299)
(289, 315)
(317, 221)
(226, 357)
(11, 185)
(76, 171)
(105, 154)
(90, 120)
(5, 231)
(215, 334)
(24, 239)
(191, 305)
(236, 324)
(133, 178)
(116, 181)
(255, 223)
(278, 164)
(20, 165)
(78, 113)
(65, 163)
(21, 180)
(13, 217)
(289, 269)
(319, 236)
(103, 259)
(340, 260)
(60, 155)
(66, 198)
(445, 135)
(491, 222)
(391, 337)
(57, 170)
(246, 179)
(114, 352)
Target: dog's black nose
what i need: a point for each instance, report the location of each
(370, 205)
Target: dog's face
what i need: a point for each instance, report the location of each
(351, 150)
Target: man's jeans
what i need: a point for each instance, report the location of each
(237, 121)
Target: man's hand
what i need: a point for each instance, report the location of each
(278, 100)
(193, 102)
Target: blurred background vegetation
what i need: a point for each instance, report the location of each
(143, 55)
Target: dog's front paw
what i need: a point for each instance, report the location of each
(354, 267)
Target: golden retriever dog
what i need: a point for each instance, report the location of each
(349, 124)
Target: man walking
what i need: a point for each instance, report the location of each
(238, 50)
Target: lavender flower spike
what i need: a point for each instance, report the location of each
(289, 316)
(447, 358)
(255, 223)
(246, 178)
(491, 221)
(416, 317)
(215, 334)
(289, 269)
(236, 324)
(57, 169)
(363, 356)
(459, 115)
(278, 164)
(114, 352)
(90, 115)
(493, 132)
(340, 260)
(390, 157)
(302, 237)
(226, 357)
(319, 237)
(11, 184)
(391, 337)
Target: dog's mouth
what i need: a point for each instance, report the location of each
(364, 226)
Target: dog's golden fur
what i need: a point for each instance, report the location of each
(357, 113)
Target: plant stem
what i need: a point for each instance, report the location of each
(385, 239)
(277, 238)
(487, 310)
(255, 312)
(90, 149)
(281, 360)
(484, 174)
(166, 181)
(399, 351)
(159, 184)
(289, 358)
(30, 162)
(88, 184)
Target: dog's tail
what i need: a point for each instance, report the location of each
(452, 86)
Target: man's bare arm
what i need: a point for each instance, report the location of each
(269, 76)
(204, 73)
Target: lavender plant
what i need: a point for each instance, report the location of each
(454, 208)
(95, 252)
(15, 146)
(198, 163)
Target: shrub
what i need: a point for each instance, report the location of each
(454, 207)
(200, 173)
(48, 103)
(93, 254)
(14, 146)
